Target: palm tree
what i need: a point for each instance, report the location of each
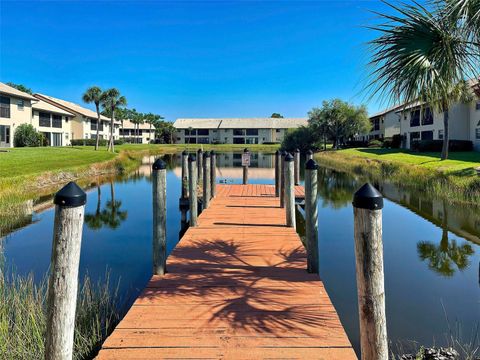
(154, 120)
(94, 221)
(112, 100)
(424, 56)
(94, 95)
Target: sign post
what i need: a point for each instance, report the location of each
(245, 165)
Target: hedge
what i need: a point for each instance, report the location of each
(91, 142)
(436, 145)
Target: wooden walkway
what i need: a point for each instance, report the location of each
(236, 288)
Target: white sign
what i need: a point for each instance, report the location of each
(246, 159)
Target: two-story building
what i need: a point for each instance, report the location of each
(385, 124)
(84, 121)
(235, 130)
(137, 134)
(15, 109)
(53, 122)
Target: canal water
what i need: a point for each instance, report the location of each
(431, 248)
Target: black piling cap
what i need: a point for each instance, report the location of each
(199, 151)
(277, 152)
(245, 150)
(311, 165)
(206, 154)
(192, 158)
(159, 164)
(310, 152)
(289, 157)
(212, 152)
(70, 195)
(367, 197)
(297, 150)
(184, 152)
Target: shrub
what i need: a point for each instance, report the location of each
(300, 138)
(375, 143)
(396, 141)
(91, 142)
(355, 144)
(26, 135)
(436, 145)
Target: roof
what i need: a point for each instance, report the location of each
(386, 111)
(127, 124)
(70, 106)
(240, 123)
(8, 90)
(44, 106)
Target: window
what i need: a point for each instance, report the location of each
(238, 132)
(56, 121)
(252, 132)
(203, 132)
(427, 135)
(93, 125)
(239, 140)
(4, 107)
(414, 136)
(20, 105)
(477, 105)
(278, 130)
(44, 119)
(440, 134)
(477, 134)
(190, 132)
(427, 117)
(376, 124)
(203, 140)
(4, 135)
(415, 118)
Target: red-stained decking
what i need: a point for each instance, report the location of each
(236, 288)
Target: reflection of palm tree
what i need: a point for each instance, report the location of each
(94, 221)
(444, 256)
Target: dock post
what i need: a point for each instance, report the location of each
(282, 178)
(245, 169)
(199, 165)
(192, 187)
(159, 190)
(367, 211)
(311, 215)
(184, 174)
(213, 174)
(277, 173)
(206, 180)
(309, 155)
(296, 162)
(290, 191)
(63, 282)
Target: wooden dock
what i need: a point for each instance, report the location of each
(236, 288)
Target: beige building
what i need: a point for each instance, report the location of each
(235, 130)
(15, 109)
(53, 122)
(143, 135)
(84, 121)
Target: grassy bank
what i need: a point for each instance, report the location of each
(23, 317)
(454, 179)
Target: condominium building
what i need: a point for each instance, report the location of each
(137, 134)
(235, 130)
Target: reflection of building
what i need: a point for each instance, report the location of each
(235, 131)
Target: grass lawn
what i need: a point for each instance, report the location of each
(458, 162)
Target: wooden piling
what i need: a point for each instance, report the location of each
(199, 165)
(206, 180)
(184, 174)
(63, 282)
(159, 192)
(367, 210)
(282, 178)
(309, 155)
(245, 169)
(289, 191)
(311, 215)
(277, 173)
(296, 163)
(213, 174)
(192, 187)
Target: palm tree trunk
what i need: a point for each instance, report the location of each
(446, 137)
(98, 126)
(111, 146)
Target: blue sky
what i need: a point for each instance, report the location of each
(192, 59)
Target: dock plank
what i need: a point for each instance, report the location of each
(236, 288)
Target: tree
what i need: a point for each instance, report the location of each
(27, 136)
(165, 132)
(276, 115)
(136, 118)
(95, 95)
(111, 100)
(425, 56)
(301, 138)
(338, 120)
(20, 87)
(153, 120)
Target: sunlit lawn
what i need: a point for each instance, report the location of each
(457, 160)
